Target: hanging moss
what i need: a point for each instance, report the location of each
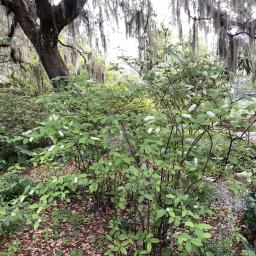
(224, 18)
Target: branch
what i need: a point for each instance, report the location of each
(24, 14)
(3, 45)
(243, 33)
(198, 18)
(8, 4)
(44, 9)
(131, 150)
(75, 49)
(67, 11)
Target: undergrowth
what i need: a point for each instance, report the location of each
(143, 151)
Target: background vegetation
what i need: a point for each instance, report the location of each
(160, 162)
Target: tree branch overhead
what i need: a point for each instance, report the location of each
(67, 11)
(42, 23)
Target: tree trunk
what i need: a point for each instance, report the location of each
(52, 63)
(42, 23)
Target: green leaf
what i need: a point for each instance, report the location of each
(83, 140)
(207, 235)
(93, 187)
(149, 247)
(183, 238)
(123, 251)
(148, 197)
(196, 242)
(154, 240)
(189, 224)
(203, 226)
(202, 235)
(37, 224)
(122, 237)
(171, 196)
(188, 246)
(160, 213)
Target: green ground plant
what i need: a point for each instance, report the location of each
(19, 113)
(143, 150)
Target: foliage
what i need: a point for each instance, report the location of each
(143, 150)
(250, 213)
(12, 185)
(12, 249)
(18, 114)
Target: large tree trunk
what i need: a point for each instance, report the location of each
(52, 63)
(42, 23)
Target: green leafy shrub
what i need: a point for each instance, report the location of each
(19, 114)
(250, 213)
(143, 150)
(250, 249)
(142, 159)
(12, 249)
(12, 185)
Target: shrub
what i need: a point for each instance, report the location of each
(18, 114)
(250, 213)
(12, 185)
(146, 161)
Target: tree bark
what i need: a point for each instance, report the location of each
(53, 63)
(44, 34)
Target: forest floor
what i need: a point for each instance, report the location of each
(67, 229)
(75, 228)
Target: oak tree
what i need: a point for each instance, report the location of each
(42, 22)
